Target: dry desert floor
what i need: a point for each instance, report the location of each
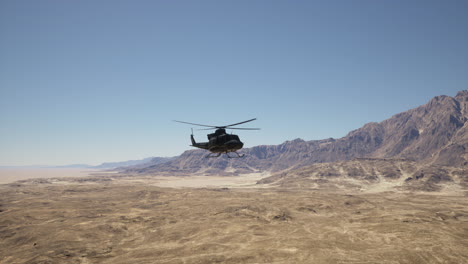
(117, 220)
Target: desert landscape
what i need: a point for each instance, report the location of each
(234, 132)
(389, 192)
(128, 219)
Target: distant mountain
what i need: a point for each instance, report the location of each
(434, 133)
(112, 165)
(72, 166)
(120, 165)
(134, 164)
(107, 165)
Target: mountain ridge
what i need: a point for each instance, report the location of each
(434, 133)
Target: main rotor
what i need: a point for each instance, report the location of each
(223, 127)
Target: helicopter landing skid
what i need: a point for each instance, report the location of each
(238, 155)
(213, 156)
(227, 154)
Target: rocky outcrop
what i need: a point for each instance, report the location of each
(374, 175)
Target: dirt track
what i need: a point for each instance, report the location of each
(118, 221)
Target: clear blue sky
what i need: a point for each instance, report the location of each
(96, 81)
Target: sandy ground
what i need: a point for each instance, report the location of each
(16, 174)
(241, 181)
(106, 218)
(117, 221)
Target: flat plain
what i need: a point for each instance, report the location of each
(8, 175)
(110, 219)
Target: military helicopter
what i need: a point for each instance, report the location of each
(220, 142)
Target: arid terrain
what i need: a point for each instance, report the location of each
(8, 175)
(120, 219)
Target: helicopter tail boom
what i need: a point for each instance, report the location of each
(203, 145)
(193, 140)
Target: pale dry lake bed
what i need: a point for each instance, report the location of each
(117, 219)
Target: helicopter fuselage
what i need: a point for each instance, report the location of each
(219, 142)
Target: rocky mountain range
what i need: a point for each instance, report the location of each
(431, 134)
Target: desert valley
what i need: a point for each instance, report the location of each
(389, 192)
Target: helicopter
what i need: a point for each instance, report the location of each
(220, 142)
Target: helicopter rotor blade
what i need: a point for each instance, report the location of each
(240, 123)
(237, 128)
(195, 124)
(242, 128)
(228, 126)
